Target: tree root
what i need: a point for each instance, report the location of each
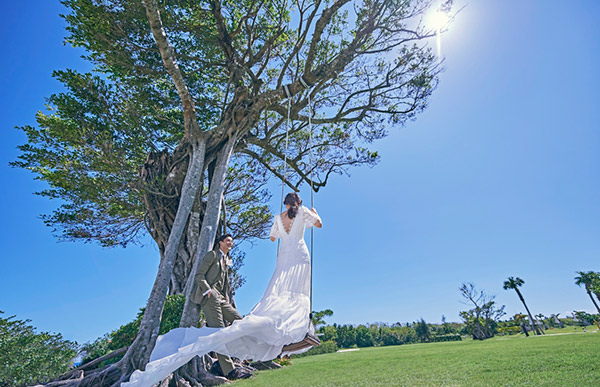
(74, 376)
(89, 367)
(193, 374)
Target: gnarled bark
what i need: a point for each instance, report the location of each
(209, 228)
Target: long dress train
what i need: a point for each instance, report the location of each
(281, 316)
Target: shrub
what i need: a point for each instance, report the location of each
(325, 347)
(28, 357)
(389, 337)
(328, 333)
(441, 338)
(407, 335)
(513, 330)
(96, 349)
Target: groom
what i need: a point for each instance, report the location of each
(211, 293)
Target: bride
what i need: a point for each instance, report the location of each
(281, 317)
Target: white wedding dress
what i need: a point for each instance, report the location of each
(281, 317)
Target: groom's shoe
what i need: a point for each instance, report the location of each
(238, 373)
(216, 369)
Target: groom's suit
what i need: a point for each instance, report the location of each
(213, 275)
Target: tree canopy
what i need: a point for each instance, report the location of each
(92, 143)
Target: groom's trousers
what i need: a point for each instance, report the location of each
(218, 311)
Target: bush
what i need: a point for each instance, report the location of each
(441, 338)
(96, 349)
(389, 337)
(509, 330)
(27, 357)
(170, 318)
(328, 333)
(407, 335)
(325, 347)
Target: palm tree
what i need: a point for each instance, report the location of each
(589, 279)
(514, 283)
(595, 287)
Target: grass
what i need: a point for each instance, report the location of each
(569, 359)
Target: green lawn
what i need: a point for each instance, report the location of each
(570, 359)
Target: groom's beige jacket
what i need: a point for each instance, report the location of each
(212, 274)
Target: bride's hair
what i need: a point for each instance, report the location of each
(295, 202)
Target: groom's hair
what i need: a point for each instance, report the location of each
(222, 238)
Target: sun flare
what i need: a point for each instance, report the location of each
(438, 21)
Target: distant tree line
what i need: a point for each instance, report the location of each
(344, 336)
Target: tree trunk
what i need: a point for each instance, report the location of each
(589, 292)
(163, 174)
(197, 369)
(186, 253)
(534, 325)
(208, 232)
(139, 352)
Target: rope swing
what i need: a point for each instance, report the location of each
(309, 340)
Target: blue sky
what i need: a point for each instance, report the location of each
(499, 177)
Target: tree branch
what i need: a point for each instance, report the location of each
(168, 56)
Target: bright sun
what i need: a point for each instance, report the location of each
(438, 21)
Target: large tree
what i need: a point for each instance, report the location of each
(589, 279)
(190, 100)
(515, 283)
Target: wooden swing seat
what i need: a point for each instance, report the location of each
(309, 340)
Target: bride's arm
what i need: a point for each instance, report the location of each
(274, 234)
(311, 218)
(318, 223)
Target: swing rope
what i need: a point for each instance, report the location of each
(284, 166)
(284, 174)
(310, 340)
(312, 200)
